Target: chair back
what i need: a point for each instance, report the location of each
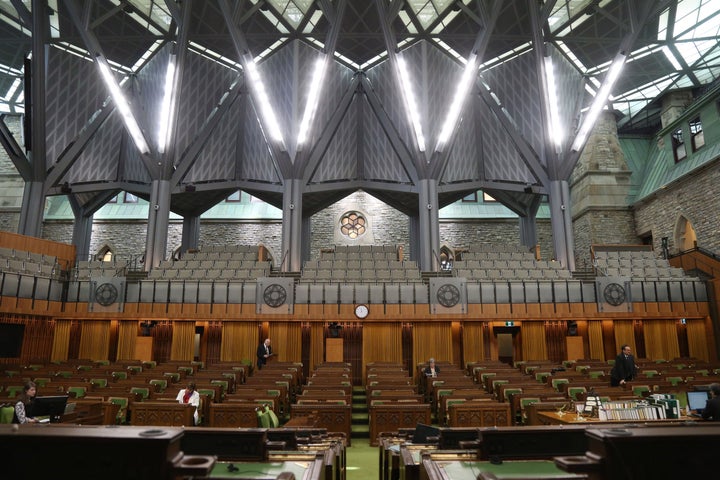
(6, 414)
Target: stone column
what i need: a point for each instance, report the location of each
(599, 187)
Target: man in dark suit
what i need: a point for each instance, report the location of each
(264, 352)
(712, 408)
(625, 369)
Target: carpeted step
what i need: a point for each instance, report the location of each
(360, 427)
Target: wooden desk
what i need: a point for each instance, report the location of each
(59, 450)
(391, 417)
(553, 418)
(162, 414)
(517, 469)
(668, 451)
(305, 470)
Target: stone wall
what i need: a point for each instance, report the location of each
(599, 189)
(386, 226)
(11, 183)
(601, 227)
(695, 198)
(499, 231)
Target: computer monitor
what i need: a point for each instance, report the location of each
(423, 432)
(51, 406)
(697, 400)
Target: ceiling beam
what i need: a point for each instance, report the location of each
(279, 155)
(14, 151)
(489, 16)
(23, 13)
(96, 53)
(640, 13)
(527, 153)
(392, 49)
(191, 154)
(318, 150)
(402, 150)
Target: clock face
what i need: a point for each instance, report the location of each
(361, 311)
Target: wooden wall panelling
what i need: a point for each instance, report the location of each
(562, 308)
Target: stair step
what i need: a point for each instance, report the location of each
(360, 417)
(360, 426)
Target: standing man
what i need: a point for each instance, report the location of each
(625, 369)
(264, 352)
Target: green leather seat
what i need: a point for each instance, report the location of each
(144, 392)
(6, 414)
(160, 384)
(98, 382)
(77, 392)
(13, 391)
(121, 417)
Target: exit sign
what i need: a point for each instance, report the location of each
(509, 324)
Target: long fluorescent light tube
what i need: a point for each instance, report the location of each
(456, 105)
(599, 102)
(265, 107)
(312, 101)
(409, 94)
(167, 109)
(123, 107)
(555, 129)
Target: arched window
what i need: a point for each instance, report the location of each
(685, 237)
(105, 254)
(447, 258)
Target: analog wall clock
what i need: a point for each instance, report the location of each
(361, 311)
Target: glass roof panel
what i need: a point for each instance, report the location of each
(154, 9)
(293, 11)
(427, 11)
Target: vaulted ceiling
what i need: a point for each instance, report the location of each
(361, 135)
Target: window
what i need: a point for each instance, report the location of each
(113, 199)
(678, 145)
(105, 254)
(472, 198)
(697, 138)
(130, 198)
(446, 259)
(353, 224)
(488, 199)
(234, 197)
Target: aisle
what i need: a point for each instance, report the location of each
(362, 460)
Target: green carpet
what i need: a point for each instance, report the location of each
(362, 460)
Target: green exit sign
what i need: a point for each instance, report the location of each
(509, 324)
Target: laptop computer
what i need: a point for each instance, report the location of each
(697, 401)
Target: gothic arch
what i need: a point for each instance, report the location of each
(447, 257)
(685, 237)
(105, 253)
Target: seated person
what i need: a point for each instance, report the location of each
(712, 408)
(191, 396)
(431, 370)
(23, 407)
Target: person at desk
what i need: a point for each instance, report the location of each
(264, 352)
(23, 407)
(624, 369)
(190, 395)
(712, 408)
(431, 370)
